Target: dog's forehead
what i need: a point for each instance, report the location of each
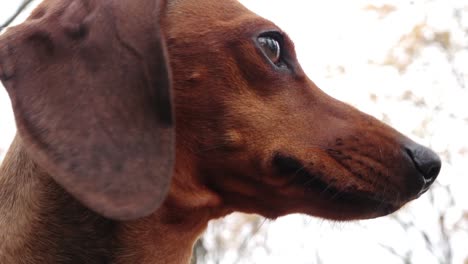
(213, 20)
(210, 7)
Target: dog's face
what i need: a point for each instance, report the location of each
(91, 91)
(265, 138)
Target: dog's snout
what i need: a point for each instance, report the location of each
(426, 161)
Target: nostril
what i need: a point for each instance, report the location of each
(426, 161)
(432, 172)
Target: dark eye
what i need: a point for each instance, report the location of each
(272, 48)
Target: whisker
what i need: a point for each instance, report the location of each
(210, 148)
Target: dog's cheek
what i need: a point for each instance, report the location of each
(234, 140)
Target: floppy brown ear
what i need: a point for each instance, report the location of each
(90, 87)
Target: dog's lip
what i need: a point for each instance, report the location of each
(350, 196)
(315, 185)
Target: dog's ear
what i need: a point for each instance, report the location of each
(90, 87)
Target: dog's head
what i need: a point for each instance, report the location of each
(266, 138)
(90, 86)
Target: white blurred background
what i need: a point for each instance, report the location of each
(405, 62)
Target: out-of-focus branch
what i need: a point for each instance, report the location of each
(405, 259)
(20, 9)
(447, 247)
(199, 252)
(256, 226)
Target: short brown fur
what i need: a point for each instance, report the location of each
(250, 136)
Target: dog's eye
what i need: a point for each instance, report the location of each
(272, 48)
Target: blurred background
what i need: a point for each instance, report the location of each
(406, 63)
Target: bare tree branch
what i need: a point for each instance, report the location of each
(257, 225)
(16, 14)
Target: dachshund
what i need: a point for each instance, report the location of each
(140, 121)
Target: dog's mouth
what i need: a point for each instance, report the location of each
(342, 203)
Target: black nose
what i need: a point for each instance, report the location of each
(426, 161)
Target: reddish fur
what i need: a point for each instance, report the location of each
(235, 113)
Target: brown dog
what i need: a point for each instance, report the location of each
(88, 177)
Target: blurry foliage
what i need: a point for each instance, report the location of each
(233, 238)
(421, 36)
(411, 44)
(383, 11)
(18, 11)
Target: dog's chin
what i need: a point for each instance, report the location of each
(331, 201)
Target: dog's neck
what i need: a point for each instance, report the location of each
(41, 223)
